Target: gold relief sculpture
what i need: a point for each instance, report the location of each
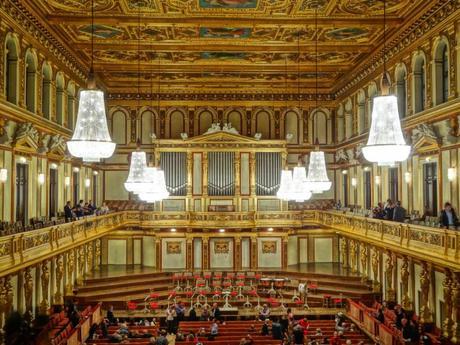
(389, 271)
(28, 292)
(405, 299)
(456, 308)
(173, 247)
(343, 252)
(2, 300)
(425, 284)
(363, 259)
(447, 323)
(269, 247)
(353, 256)
(81, 265)
(45, 280)
(89, 257)
(375, 261)
(8, 295)
(70, 271)
(59, 272)
(221, 246)
(97, 253)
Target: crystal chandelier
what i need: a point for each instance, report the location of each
(299, 191)
(91, 139)
(317, 179)
(285, 185)
(386, 144)
(156, 189)
(137, 178)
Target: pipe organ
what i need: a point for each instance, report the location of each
(221, 173)
(268, 172)
(174, 164)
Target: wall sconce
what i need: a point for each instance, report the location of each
(3, 175)
(367, 168)
(451, 174)
(41, 178)
(427, 159)
(173, 230)
(407, 177)
(76, 169)
(53, 166)
(22, 160)
(354, 181)
(344, 172)
(377, 180)
(87, 182)
(67, 181)
(95, 173)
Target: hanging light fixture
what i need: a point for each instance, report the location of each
(91, 139)
(300, 191)
(386, 144)
(137, 178)
(317, 179)
(156, 189)
(285, 185)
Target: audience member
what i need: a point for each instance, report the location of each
(264, 313)
(215, 312)
(389, 209)
(265, 327)
(170, 319)
(162, 340)
(277, 331)
(399, 213)
(68, 214)
(449, 217)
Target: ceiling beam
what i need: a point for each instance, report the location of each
(215, 20)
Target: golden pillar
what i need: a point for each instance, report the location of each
(189, 253)
(2, 301)
(89, 257)
(59, 274)
(363, 257)
(353, 256)
(97, 253)
(70, 270)
(237, 253)
(254, 263)
(28, 286)
(284, 252)
(252, 179)
(447, 323)
(405, 299)
(375, 262)
(344, 252)
(389, 274)
(9, 295)
(189, 205)
(456, 308)
(81, 265)
(425, 284)
(45, 282)
(205, 253)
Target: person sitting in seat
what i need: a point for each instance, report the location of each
(264, 313)
(68, 213)
(162, 340)
(449, 219)
(265, 327)
(214, 329)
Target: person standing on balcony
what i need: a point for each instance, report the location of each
(449, 218)
(399, 213)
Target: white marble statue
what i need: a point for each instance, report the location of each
(258, 136)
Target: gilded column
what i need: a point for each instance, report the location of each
(53, 101)
(252, 172)
(363, 257)
(353, 256)
(2, 301)
(205, 174)
(237, 253)
(375, 262)
(70, 270)
(237, 175)
(456, 308)
(189, 181)
(81, 265)
(97, 253)
(59, 274)
(189, 251)
(409, 79)
(453, 92)
(254, 263)
(344, 252)
(89, 257)
(429, 80)
(284, 252)
(447, 323)
(205, 253)
(405, 299)
(28, 293)
(21, 80)
(425, 284)
(389, 274)
(158, 253)
(45, 281)
(8, 295)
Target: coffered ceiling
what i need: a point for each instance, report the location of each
(224, 45)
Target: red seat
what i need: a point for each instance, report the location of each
(154, 305)
(132, 305)
(154, 295)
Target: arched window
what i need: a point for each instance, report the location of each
(119, 127)
(205, 121)
(291, 126)
(148, 126)
(11, 69)
(234, 118)
(60, 98)
(70, 105)
(30, 86)
(401, 90)
(46, 90)
(419, 83)
(263, 124)
(361, 111)
(441, 72)
(320, 127)
(176, 124)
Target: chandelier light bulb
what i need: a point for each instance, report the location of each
(3, 175)
(407, 177)
(91, 139)
(300, 191)
(285, 185)
(155, 188)
(317, 179)
(451, 174)
(67, 181)
(386, 144)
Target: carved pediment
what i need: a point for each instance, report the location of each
(425, 144)
(26, 137)
(424, 138)
(221, 136)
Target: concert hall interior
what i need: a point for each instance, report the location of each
(235, 172)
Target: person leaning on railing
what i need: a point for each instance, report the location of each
(448, 219)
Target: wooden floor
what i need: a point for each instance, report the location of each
(116, 285)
